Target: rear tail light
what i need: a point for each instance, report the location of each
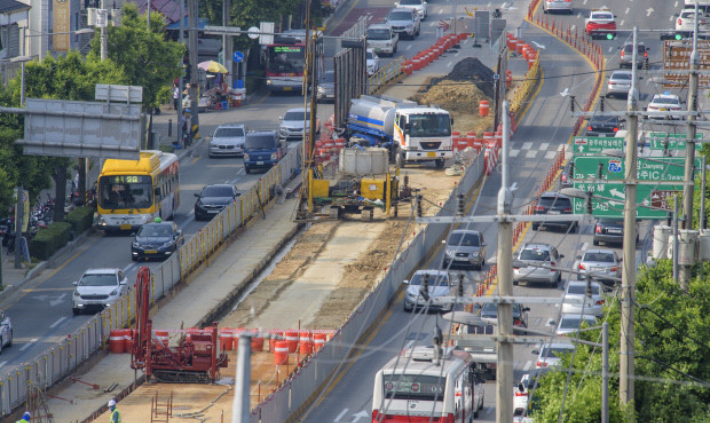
(521, 394)
(567, 210)
(375, 415)
(600, 302)
(581, 267)
(598, 229)
(589, 128)
(449, 419)
(541, 364)
(616, 129)
(564, 178)
(552, 264)
(614, 269)
(539, 208)
(517, 322)
(612, 83)
(622, 53)
(680, 21)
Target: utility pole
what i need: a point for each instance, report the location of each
(227, 44)
(181, 85)
(628, 276)
(104, 33)
(241, 409)
(605, 372)
(19, 225)
(688, 192)
(194, 78)
(504, 370)
(675, 233)
(701, 217)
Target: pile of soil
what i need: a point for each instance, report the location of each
(455, 96)
(471, 70)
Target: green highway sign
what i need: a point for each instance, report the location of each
(585, 145)
(611, 184)
(655, 140)
(667, 135)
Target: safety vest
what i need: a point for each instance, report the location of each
(115, 416)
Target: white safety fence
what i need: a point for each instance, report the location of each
(59, 361)
(295, 391)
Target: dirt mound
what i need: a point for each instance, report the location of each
(455, 96)
(470, 69)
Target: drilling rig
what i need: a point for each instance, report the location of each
(195, 360)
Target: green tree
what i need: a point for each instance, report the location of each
(147, 58)
(672, 348)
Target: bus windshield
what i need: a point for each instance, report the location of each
(414, 387)
(285, 59)
(125, 192)
(430, 125)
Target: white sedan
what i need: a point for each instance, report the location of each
(418, 5)
(373, 62)
(663, 103)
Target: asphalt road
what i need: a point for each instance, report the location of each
(546, 126)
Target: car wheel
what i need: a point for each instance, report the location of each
(535, 226)
(595, 242)
(439, 163)
(76, 311)
(407, 309)
(515, 282)
(134, 258)
(475, 412)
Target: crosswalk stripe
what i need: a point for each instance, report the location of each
(544, 145)
(513, 153)
(550, 155)
(531, 154)
(527, 145)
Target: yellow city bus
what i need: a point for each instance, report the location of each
(134, 192)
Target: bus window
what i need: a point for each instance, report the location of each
(125, 192)
(415, 387)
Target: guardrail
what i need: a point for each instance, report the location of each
(59, 361)
(380, 79)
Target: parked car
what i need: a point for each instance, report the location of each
(156, 240)
(549, 354)
(600, 23)
(382, 39)
(578, 299)
(98, 289)
(570, 323)
(419, 5)
(404, 22)
(619, 84)
(557, 6)
(465, 248)
(433, 284)
(610, 231)
(603, 265)
(262, 150)
(489, 314)
(626, 56)
(604, 126)
(526, 265)
(553, 203)
(326, 87)
(663, 103)
(228, 140)
(6, 332)
(373, 62)
(293, 122)
(213, 199)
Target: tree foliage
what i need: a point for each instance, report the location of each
(147, 58)
(672, 348)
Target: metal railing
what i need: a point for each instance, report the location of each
(380, 79)
(59, 361)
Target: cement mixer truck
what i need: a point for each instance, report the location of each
(411, 132)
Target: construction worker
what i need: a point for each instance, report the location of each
(25, 417)
(115, 414)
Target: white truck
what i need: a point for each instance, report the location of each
(411, 132)
(484, 352)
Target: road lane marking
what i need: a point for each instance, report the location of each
(627, 11)
(622, 22)
(675, 4)
(3, 363)
(513, 153)
(532, 153)
(550, 155)
(527, 146)
(408, 47)
(344, 412)
(29, 344)
(544, 145)
(448, 65)
(611, 48)
(57, 322)
(537, 321)
(527, 366)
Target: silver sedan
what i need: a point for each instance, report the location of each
(600, 264)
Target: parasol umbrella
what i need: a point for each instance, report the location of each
(212, 66)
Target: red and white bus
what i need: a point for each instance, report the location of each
(285, 63)
(415, 387)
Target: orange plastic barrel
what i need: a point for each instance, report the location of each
(305, 344)
(163, 336)
(519, 46)
(508, 78)
(291, 337)
(483, 108)
(281, 353)
(318, 341)
(128, 340)
(274, 338)
(116, 343)
(257, 343)
(226, 339)
(487, 137)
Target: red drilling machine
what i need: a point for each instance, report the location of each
(194, 361)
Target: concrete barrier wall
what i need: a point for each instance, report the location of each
(59, 361)
(298, 392)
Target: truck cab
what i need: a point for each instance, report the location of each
(382, 39)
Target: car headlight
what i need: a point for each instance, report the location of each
(475, 254)
(269, 82)
(274, 156)
(76, 294)
(113, 293)
(321, 90)
(135, 245)
(450, 252)
(246, 156)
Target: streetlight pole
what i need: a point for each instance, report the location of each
(628, 276)
(104, 33)
(689, 191)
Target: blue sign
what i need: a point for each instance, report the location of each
(238, 56)
(614, 166)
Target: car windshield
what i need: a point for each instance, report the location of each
(621, 75)
(410, 2)
(260, 142)
(399, 16)
(665, 100)
(370, 55)
(378, 34)
(536, 255)
(296, 116)
(328, 77)
(602, 16)
(464, 239)
(574, 322)
(599, 257)
(557, 201)
(434, 280)
(229, 132)
(582, 290)
(155, 231)
(554, 351)
(99, 280)
(491, 309)
(217, 192)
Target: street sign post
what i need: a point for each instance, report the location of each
(611, 184)
(676, 57)
(587, 145)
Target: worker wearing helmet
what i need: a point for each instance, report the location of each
(25, 417)
(115, 414)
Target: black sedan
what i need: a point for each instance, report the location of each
(489, 314)
(604, 126)
(212, 199)
(554, 204)
(610, 230)
(156, 240)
